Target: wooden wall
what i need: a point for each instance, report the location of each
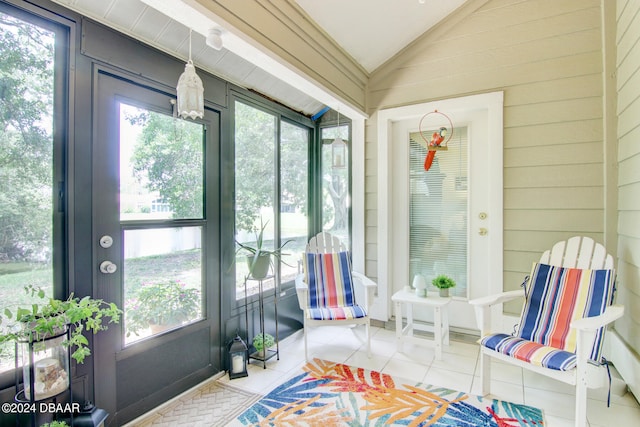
(546, 55)
(628, 88)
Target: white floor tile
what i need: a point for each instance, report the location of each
(458, 369)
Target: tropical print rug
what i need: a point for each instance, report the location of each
(333, 394)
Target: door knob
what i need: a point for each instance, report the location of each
(483, 231)
(107, 267)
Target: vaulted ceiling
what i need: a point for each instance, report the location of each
(370, 31)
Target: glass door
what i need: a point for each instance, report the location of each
(155, 196)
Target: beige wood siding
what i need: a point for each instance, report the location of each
(546, 56)
(284, 28)
(628, 86)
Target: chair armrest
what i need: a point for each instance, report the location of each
(302, 289)
(610, 314)
(483, 306)
(497, 298)
(369, 287)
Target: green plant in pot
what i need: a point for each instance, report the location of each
(46, 332)
(259, 259)
(263, 341)
(161, 305)
(443, 283)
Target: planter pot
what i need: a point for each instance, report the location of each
(259, 267)
(444, 292)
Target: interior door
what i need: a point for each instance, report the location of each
(154, 226)
(443, 220)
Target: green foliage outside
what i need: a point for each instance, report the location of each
(26, 111)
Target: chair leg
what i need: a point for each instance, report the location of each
(485, 373)
(306, 352)
(368, 333)
(581, 403)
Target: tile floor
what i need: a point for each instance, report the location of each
(458, 369)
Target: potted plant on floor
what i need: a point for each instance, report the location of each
(46, 332)
(259, 259)
(261, 342)
(160, 306)
(443, 283)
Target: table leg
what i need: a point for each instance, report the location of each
(437, 331)
(409, 319)
(445, 324)
(399, 326)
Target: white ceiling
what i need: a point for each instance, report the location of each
(371, 31)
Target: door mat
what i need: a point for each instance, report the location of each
(210, 405)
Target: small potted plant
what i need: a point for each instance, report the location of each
(443, 283)
(46, 332)
(259, 259)
(160, 306)
(263, 341)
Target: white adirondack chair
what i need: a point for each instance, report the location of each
(319, 311)
(581, 370)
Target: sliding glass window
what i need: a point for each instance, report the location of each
(272, 175)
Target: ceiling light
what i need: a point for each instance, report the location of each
(214, 38)
(190, 91)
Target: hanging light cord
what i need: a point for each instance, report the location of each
(190, 31)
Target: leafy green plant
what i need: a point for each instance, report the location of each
(443, 282)
(55, 424)
(256, 251)
(42, 320)
(262, 341)
(168, 302)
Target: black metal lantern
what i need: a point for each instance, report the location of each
(237, 358)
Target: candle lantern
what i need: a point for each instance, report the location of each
(45, 364)
(237, 358)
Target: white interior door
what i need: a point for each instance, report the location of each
(460, 234)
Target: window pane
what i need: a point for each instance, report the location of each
(162, 280)
(438, 211)
(335, 182)
(294, 197)
(26, 164)
(255, 169)
(161, 166)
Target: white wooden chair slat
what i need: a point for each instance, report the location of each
(585, 257)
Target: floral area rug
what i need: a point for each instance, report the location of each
(333, 394)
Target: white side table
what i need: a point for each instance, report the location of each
(440, 320)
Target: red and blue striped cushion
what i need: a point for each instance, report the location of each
(330, 284)
(555, 297)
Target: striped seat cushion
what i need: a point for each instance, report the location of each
(336, 313)
(555, 296)
(531, 352)
(331, 294)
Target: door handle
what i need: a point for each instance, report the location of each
(483, 231)
(107, 267)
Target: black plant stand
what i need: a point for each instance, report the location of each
(268, 353)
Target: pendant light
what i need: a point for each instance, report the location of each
(338, 150)
(190, 91)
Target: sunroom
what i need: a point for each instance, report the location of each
(311, 122)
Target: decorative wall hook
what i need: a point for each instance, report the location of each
(437, 141)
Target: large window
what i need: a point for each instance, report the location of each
(438, 210)
(31, 172)
(271, 190)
